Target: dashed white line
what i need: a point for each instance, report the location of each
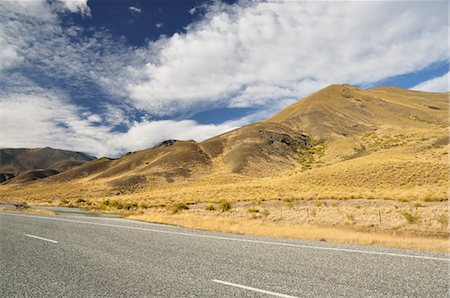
(338, 249)
(252, 289)
(42, 238)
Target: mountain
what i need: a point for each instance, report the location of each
(339, 137)
(23, 165)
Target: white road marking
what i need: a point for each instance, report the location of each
(41, 238)
(239, 239)
(252, 289)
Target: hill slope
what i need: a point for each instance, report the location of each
(338, 127)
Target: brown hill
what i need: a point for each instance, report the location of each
(37, 163)
(337, 124)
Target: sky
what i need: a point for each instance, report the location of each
(107, 77)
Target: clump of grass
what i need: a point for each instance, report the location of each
(442, 219)
(266, 212)
(403, 200)
(143, 206)
(224, 205)
(252, 210)
(64, 201)
(409, 217)
(431, 198)
(349, 217)
(318, 204)
(80, 201)
(130, 206)
(210, 207)
(358, 206)
(178, 207)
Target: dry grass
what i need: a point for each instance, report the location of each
(377, 180)
(261, 228)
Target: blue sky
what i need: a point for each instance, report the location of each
(107, 77)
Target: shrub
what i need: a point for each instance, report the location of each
(210, 207)
(143, 206)
(80, 201)
(252, 210)
(225, 205)
(350, 217)
(178, 207)
(318, 204)
(64, 201)
(130, 206)
(409, 217)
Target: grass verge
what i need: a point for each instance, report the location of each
(307, 232)
(28, 210)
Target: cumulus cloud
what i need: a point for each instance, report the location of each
(251, 54)
(248, 55)
(135, 9)
(438, 84)
(41, 117)
(76, 6)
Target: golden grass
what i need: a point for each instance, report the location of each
(309, 232)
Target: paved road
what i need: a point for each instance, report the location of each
(75, 256)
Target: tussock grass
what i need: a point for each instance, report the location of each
(224, 205)
(310, 232)
(411, 218)
(177, 207)
(210, 207)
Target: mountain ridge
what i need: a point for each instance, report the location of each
(333, 125)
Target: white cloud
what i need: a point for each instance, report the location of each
(438, 84)
(42, 117)
(284, 47)
(252, 54)
(76, 6)
(159, 25)
(192, 10)
(135, 9)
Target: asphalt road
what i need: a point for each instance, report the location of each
(76, 256)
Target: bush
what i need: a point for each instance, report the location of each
(225, 205)
(252, 210)
(178, 207)
(409, 217)
(130, 206)
(210, 207)
(80, 201)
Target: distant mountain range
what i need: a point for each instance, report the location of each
(23, 165)
(336, 126)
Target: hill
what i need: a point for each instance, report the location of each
(335, 124)
(32, 164)
(343, 158)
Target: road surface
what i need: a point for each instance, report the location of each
(77, 256)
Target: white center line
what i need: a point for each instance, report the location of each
(325, 248)
(41, 238)
(252, 289)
